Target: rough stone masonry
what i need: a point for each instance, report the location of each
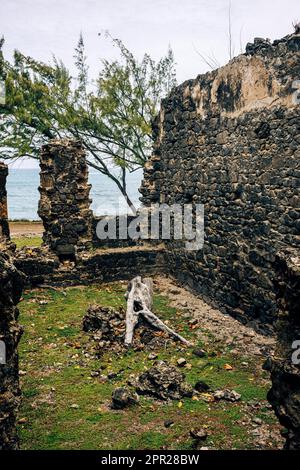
(4, 227)
(230, 139)
(64, 205)
(10, 332)
(285, 367)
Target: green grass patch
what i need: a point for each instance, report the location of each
(68, 409)
(32, 242)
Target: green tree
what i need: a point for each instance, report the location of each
(111, 115)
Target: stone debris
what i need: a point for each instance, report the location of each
(181, 362)
(163, 381)
(228, 395)
(108, 323)
(201, 387)
(152, 356)
(199, 353)
(108, 327)
(123, 398)
(200, 434)
(168, 423)
(257, 421)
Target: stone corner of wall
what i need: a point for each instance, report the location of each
(11, 285)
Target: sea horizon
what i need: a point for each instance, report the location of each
(23, 195)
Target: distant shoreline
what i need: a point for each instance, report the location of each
(28, 228)
(24, 221)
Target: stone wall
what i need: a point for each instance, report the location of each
(117, 242)
(230, 139)
(10, 332)
(101, 265)
(4, 227)
(64, 205)
(285, 373)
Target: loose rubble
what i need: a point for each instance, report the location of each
(199, 434)
(163, 381)
(123, 398)
(108, 328)
(228, 395)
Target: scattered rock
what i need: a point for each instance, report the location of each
(94, 374)
(168, 423)
(103, 378)
(123, 398)
(112, 375)
(199, 352)
(108, 328)
(163, 381)
(199, 434)
(181, 362)
(257, 420)
(152, 356)
(201, 386)
(74, 406)
(108, 321)
(174, 291)
(22, 420)
(228, 395)
(267, 365)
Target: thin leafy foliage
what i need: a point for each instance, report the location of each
(111, 115)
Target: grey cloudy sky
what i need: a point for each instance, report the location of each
(41, 28)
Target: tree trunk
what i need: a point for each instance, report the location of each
(129, 202)
(139, 303)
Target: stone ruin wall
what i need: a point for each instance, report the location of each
(10, 332)
(64, 205)
(230, 139)
(285, 373)
(4, 227)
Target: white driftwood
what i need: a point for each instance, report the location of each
(139, 303)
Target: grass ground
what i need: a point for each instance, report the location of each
(65, 408)
(27, 241)
(26, 233)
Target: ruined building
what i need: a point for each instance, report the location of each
(230, 140)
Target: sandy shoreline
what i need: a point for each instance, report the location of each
(26, 228)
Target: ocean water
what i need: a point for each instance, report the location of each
(23, 196)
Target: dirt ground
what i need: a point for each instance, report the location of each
(225, 329)
(18, 229)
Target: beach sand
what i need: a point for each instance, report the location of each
(28, 229)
